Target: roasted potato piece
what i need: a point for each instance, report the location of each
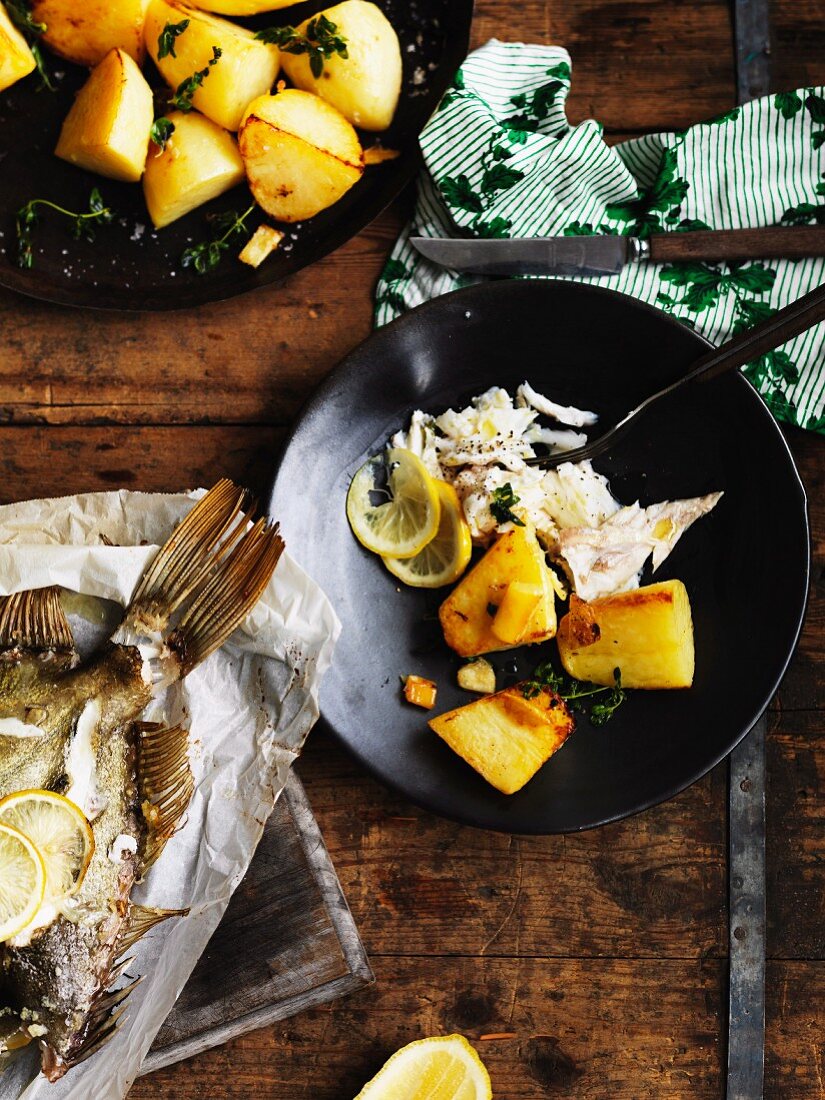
(300, 154)
(107, 129)
(477, 675)
(365, 85)
(200, 162)
(420, 692)
(85, 32)
(261, 244)
(647, 634)
(246, 68)
(507, 737)
(242, 7)
(468, 613)
(16, 59)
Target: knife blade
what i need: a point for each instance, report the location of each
(607, 255)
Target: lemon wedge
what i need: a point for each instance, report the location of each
(402, 525)
(446, 556)
(59, 831)
(22, 881)
(443, 1068)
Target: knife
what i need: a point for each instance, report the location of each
(607, 255)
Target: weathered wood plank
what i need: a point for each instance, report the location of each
(589, 1028)
(651, 885)
(48, 461)
(637, 64)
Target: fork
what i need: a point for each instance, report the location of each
(786, 323)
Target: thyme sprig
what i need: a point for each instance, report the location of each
(504, 500)
(206, 256)
(81, 226)
(20, 14)
(320, 41)
(162, 130)
(545, 678)
(182, 99)
(166, 38)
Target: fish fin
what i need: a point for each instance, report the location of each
(141, 918)
(188, 556)
(34, 620)
(228, 596)
(166, 783)
(103, 1021)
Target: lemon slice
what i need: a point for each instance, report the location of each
(446, 556)
(445, 1068)
(22, 881)
(402, 525)
(60, 832)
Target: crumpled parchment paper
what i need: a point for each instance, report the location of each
(248, 708)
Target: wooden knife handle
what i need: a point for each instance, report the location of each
(771, 242)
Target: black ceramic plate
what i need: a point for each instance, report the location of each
(130, 266)
(745, 565)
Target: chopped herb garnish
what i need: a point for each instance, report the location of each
(207, 255)
(162, 130)
(182, 99)
(504, 500)
(320, 41)
(81, 226)
(545, 678)
(20, 14)
(166, 38)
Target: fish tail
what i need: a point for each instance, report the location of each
(166, 783)
(227, 597)
(34, 620)
(188, 556)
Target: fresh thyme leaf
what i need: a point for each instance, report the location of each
(81, 226)
(166, 38)
(206, 256)
(20, 14)
(162, 130)
(320, 41)
(504, 499)
(545, 678)
(182, 99)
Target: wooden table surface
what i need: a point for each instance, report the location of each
(599, 958)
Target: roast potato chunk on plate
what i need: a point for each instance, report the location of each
(507, 737)
(107, 129)
(16, 59)
(200, 162)
(300, 154)
(364, 85)
(84, 31)
(647, 634)
(246, 68)
(261, 244)
(468, 613)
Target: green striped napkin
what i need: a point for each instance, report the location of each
(502, 161)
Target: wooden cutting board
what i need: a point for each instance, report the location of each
(286, 943)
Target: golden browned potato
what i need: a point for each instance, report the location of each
(242, 7)
(246, 68)
(261, 244)
(84, 31)
(107, 129)
(470, 611)
(300, 154)
(507, 737)
(364, 85)
(200, 162)
(16, 59)
(647, 634)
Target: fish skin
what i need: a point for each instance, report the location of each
(113, 678)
